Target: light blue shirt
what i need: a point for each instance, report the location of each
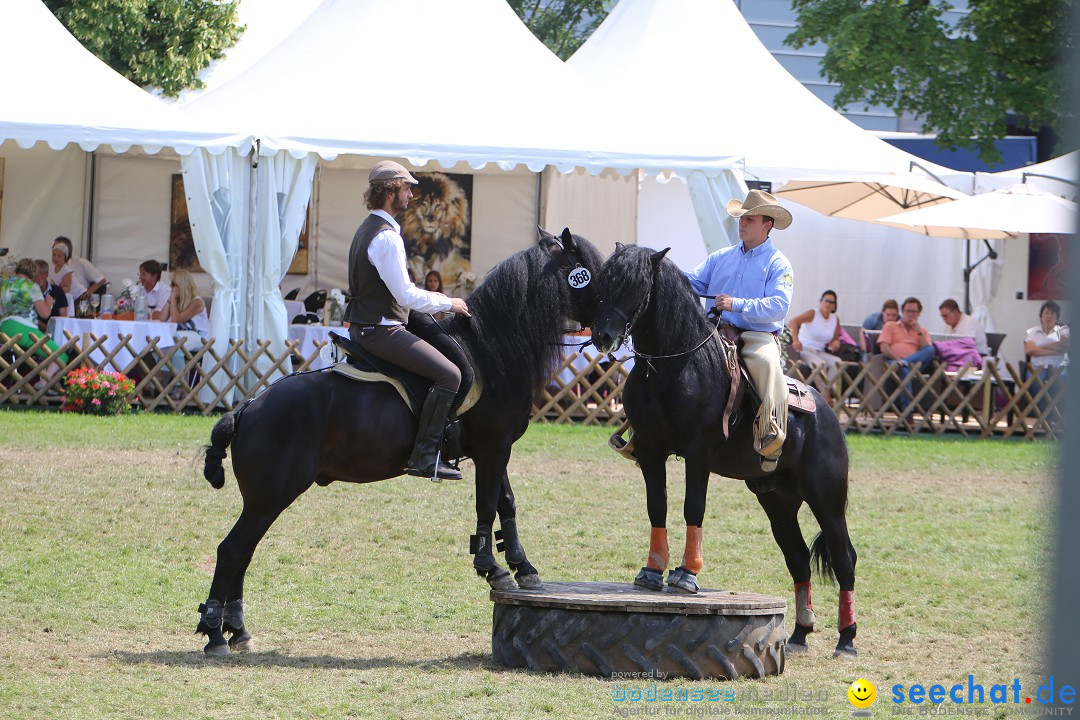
(760, 281)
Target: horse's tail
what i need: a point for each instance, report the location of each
(220, 437)
(821, 559)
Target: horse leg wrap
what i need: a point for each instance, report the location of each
(847, 608)
(212, 615)
(804, 608)
(233, 617)
(692, 558)
(510, 543)
(481, 550)
(658, 550)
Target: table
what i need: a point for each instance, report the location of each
(139, 330)
(310, 336)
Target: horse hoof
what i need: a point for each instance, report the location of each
(500, 580)
(243, 645)
(849, 653)
(215, 650)
(530, 582)
(796, 648)
(681, 580)
(649, 579)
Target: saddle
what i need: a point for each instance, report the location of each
(361, 365)
(799, 397)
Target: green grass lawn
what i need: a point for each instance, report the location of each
(363, 602)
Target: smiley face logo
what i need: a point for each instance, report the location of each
(862, 693)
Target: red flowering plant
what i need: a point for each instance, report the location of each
(97, 392)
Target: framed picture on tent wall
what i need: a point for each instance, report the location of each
(437, 230)
(1048, 266)
(182, 246)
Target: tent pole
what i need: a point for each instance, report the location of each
(91, 192)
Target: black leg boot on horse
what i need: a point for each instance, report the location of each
(426, 459)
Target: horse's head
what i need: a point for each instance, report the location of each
(624, 290)
(578, 263)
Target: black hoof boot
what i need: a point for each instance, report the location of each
(240, 639)
(845, 647)
(650, 579)
(682, 580)
(797, 642)
(210, 625)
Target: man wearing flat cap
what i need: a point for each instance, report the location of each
(382, 296)
(752, 283)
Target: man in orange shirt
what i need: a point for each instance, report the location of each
(904, 340)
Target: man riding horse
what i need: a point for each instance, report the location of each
(752, 282)
(382, 296)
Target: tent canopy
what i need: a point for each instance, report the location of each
(1066, 167)
(436, 80)
(58, 92)
(723, 93)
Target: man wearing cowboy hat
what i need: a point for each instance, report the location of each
(752, 283)
(381, 297)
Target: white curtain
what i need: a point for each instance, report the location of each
(710, 196)
(218, 192)
(985, 280)
(283, 190)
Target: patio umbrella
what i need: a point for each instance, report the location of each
(997, 214)
(869, 197)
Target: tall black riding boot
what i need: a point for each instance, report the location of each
(425, 460)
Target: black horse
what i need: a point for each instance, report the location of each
(321, 427)
(675, 404)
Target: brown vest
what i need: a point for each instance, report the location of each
(371, 299)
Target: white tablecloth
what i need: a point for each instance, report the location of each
(60, 327)
(309, 335)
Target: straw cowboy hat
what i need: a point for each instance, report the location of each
(759, 202)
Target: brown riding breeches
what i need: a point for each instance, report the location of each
(395, 344)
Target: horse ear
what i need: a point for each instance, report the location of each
(618, 246)
(568, 240)
(542, 233)
(658, 256)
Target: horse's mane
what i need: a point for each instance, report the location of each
(675, 320)
(518, 320)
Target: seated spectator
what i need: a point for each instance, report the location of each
(21, 305)
(815, 335)
(433, 283)
(1047, 343)
(157, 293)
(185, 307)
(63, 275)
(60, 303)
(907, 343)
(890, 312)
(84, 273)
(960, 323)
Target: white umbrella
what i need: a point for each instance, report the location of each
(868, 197)
(1001, 213)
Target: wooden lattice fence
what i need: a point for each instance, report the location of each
(1000, 400)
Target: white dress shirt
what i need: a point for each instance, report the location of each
(158, 298)
(970, 327)
(387, 253)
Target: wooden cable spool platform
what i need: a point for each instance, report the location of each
(618, 631)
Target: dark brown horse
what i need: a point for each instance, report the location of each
(675, 405)
(320, 427)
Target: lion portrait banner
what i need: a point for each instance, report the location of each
(437, 230)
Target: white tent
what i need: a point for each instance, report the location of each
(1058, 176)
(699, 65)
(57, 92)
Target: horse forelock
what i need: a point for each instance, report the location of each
(674, 320)
(518, 322)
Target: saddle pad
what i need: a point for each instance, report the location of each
(354, 373)
(799, 396)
